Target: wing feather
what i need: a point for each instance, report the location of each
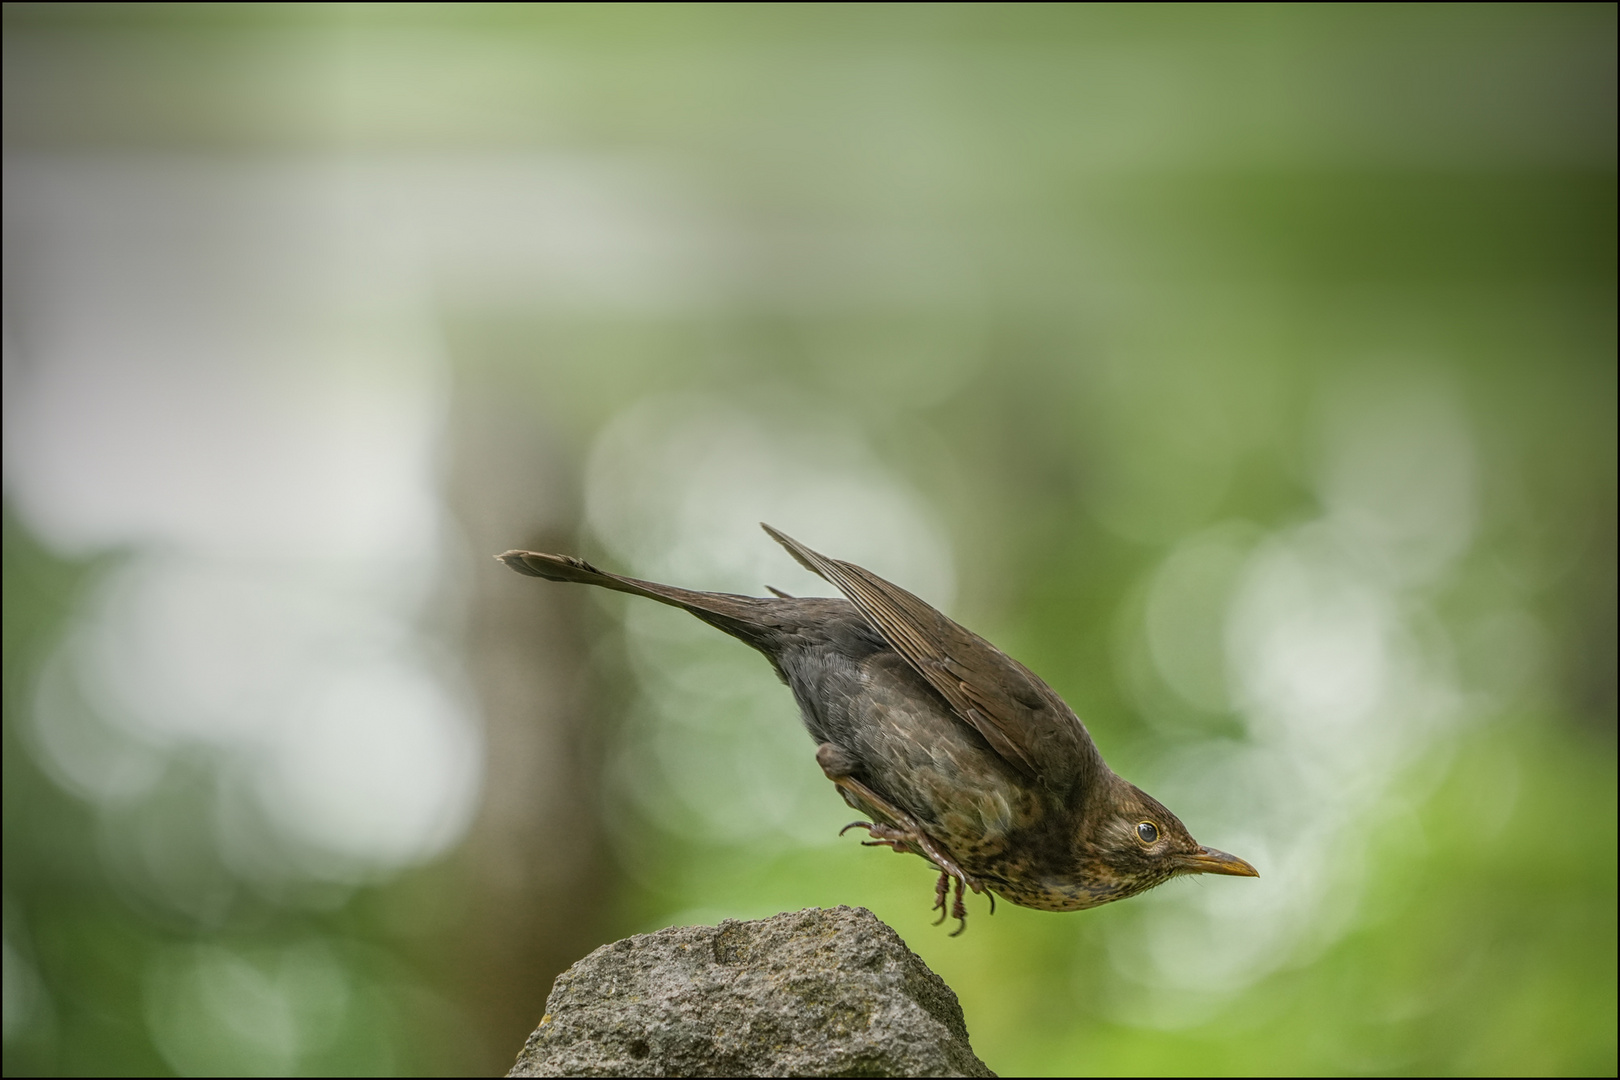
(1022, 718)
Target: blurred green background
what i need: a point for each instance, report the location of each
(1245, 370)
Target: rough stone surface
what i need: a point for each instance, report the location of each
(819, 992)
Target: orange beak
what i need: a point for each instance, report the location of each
(1210, 861)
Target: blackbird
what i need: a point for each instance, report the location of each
(954, 750)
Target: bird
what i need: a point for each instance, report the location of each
(952, 749)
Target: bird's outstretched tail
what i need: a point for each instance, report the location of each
(568, 568)
(736, 615)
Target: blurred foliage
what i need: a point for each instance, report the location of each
(1096, 281)
(84, 987)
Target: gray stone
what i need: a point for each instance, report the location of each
(819, 992)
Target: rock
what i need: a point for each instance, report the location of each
(819, 992)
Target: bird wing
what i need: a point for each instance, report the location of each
(1022, 718)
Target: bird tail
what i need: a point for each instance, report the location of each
(736, 615)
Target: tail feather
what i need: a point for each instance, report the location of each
(736, 615)
(568, 568)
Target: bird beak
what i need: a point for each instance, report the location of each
(1210, 861)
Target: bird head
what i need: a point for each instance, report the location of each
(1134, 842)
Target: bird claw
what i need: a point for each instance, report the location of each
(958, 909)
(882, 836)
(896, 843)
(914, 839)
(907, 836)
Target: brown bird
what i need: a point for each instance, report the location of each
(956, 751)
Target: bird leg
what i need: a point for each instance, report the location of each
(905, 835)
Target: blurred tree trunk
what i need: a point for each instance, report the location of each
(532, 875)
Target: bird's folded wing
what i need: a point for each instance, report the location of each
(1022, 718)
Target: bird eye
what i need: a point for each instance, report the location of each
(1147, 831)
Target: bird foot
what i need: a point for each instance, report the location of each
(883, 836)
(906, 834)
(911, 838)
(897, 842)
(914, 839)
(958, 909)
